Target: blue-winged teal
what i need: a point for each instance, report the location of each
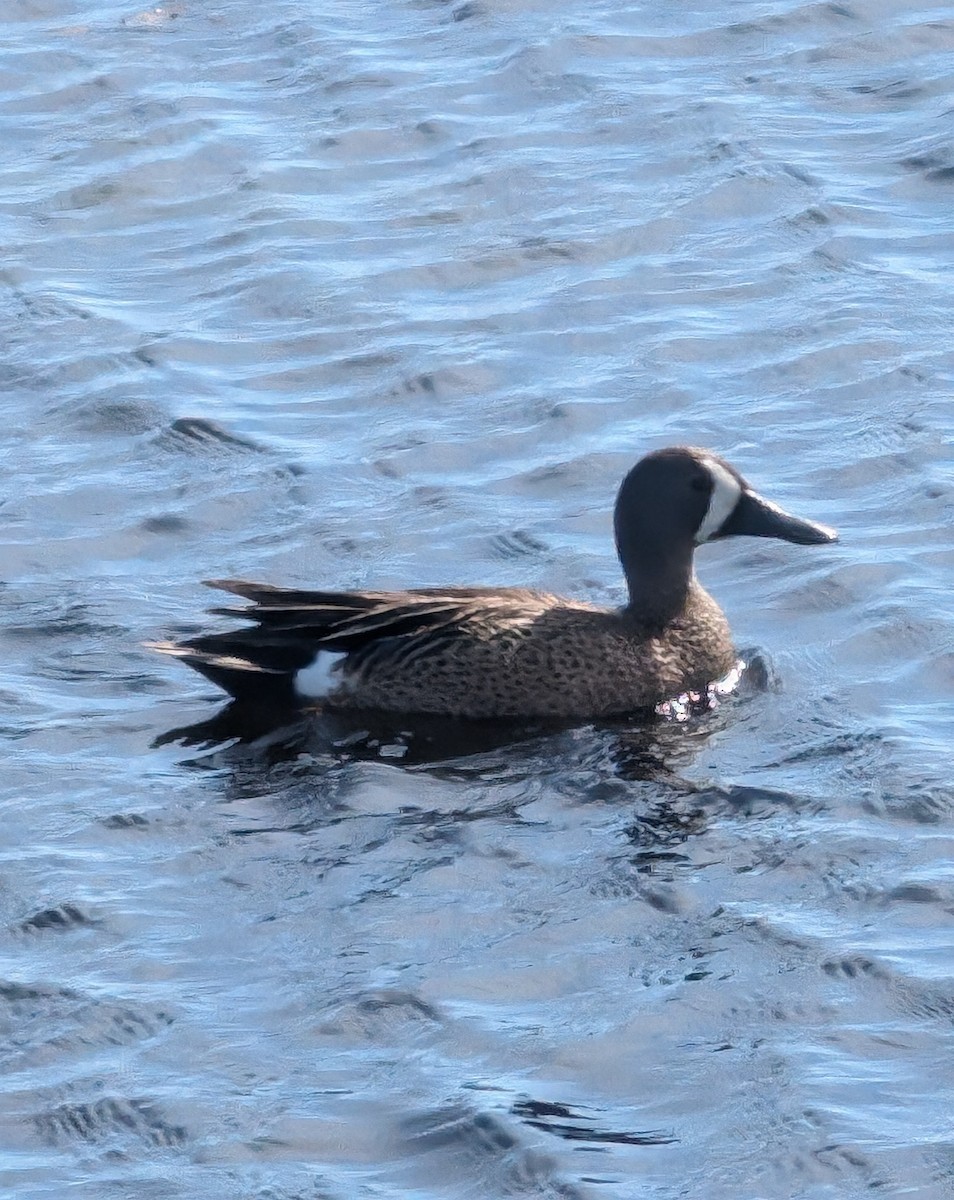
(509, 652)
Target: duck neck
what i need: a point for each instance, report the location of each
(659, 584)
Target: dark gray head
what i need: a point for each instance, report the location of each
(674, 500)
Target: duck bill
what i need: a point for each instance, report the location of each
(754, 516)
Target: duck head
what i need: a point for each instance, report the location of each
(678, 498)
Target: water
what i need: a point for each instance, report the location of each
(354, 295)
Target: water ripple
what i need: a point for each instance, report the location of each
(374, 297)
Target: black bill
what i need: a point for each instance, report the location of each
(756, 517)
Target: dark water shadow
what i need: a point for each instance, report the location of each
(578, 1125)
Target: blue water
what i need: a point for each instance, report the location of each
(353, 295)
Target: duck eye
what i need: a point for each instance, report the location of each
(700, 484)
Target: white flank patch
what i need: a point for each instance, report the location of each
(726, 491)
(322, 677)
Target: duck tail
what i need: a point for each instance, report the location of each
(254, 671)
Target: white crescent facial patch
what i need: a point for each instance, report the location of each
(726, 491)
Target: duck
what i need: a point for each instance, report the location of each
(509, 652)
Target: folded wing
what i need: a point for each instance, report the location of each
(290, 627)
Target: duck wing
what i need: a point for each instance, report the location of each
(291, 626)
(349, 620)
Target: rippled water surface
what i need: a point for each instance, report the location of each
(354, 294)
